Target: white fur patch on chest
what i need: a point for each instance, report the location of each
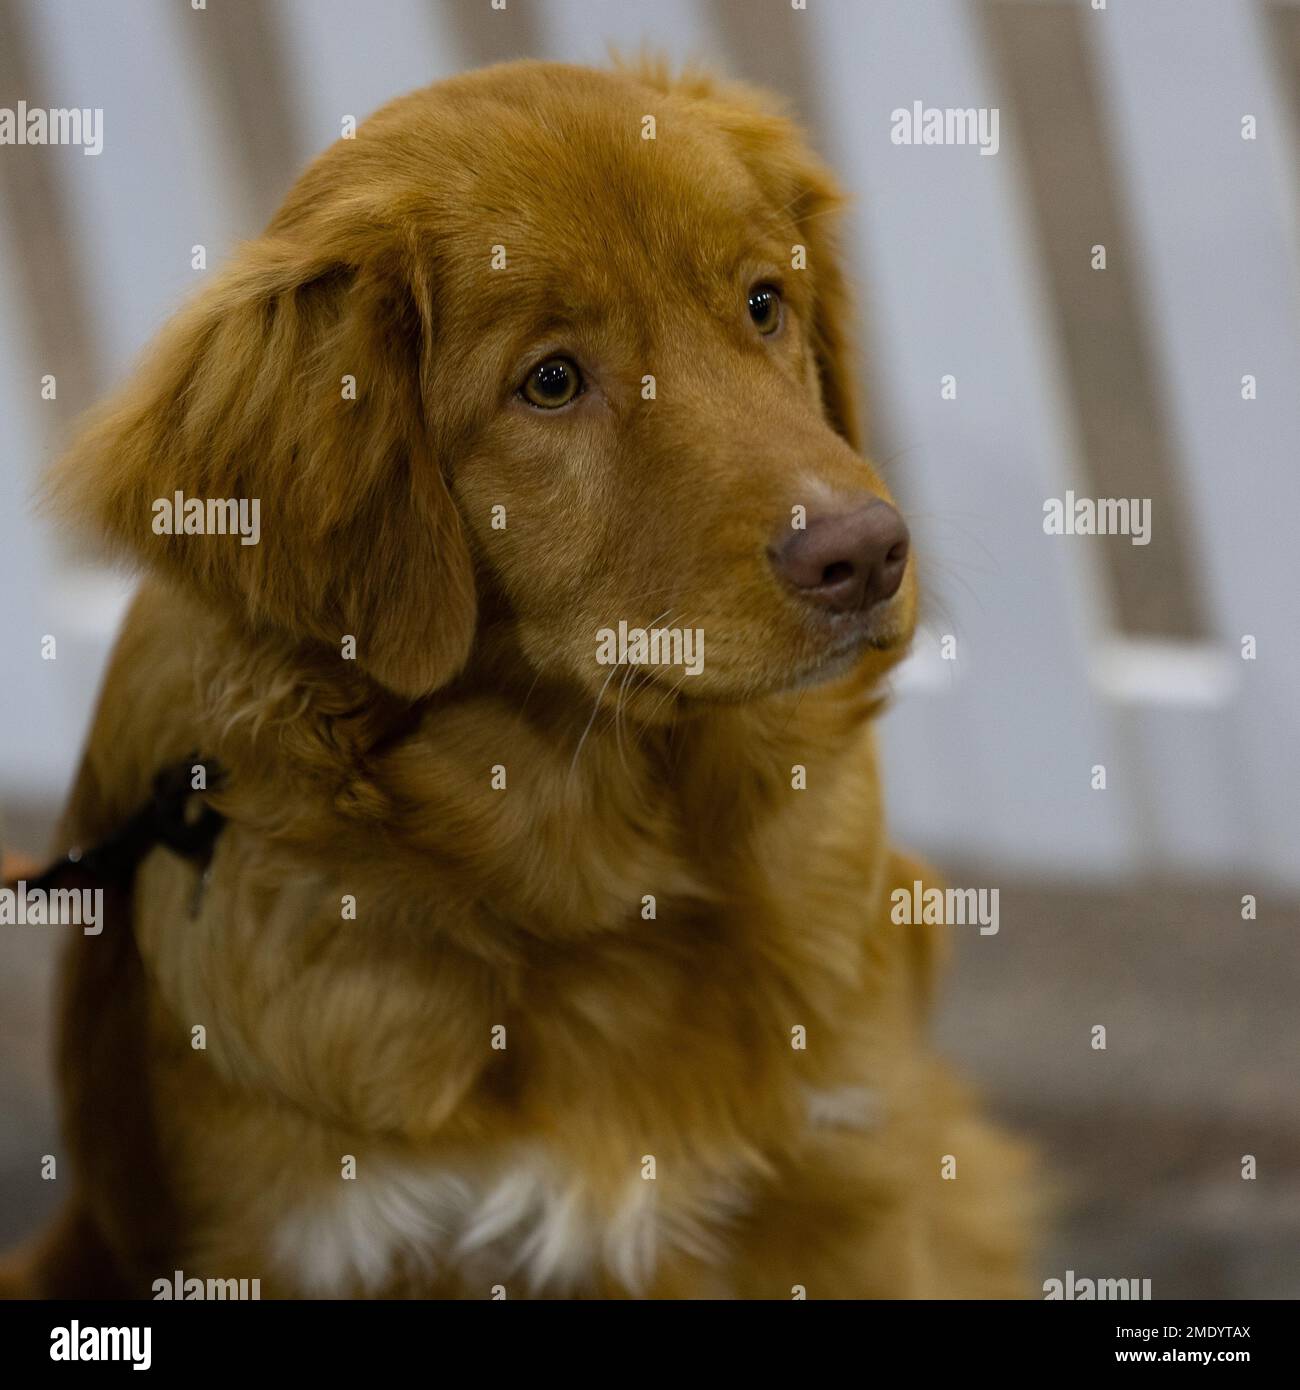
(844, 1107)
(521, 1221)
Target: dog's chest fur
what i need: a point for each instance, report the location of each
(521, 1226)
(707, 1035)
(525, 1224)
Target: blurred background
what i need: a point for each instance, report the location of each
(1165, 131)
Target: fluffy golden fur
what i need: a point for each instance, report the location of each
(673, 1040)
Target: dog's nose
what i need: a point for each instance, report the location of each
(845, 561)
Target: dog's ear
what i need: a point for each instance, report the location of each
(296, 385)
(816, 200)
(795, 181)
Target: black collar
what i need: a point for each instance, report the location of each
(171, 817)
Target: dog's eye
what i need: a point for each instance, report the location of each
(765, 308)
(552, 383)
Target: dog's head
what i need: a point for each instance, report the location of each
(553, 349)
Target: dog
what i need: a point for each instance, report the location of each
(544, 949)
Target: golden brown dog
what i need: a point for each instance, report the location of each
(525, 962)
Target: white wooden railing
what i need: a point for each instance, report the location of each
(988, 757)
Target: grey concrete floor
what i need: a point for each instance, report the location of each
(1145, 1140)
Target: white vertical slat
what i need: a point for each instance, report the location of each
(30, 689)
(997, 763)
(44, 704)
(1214, 221)
(345, 59)
(572, 31)
(134, 211)
(165, 180)
(161, 184)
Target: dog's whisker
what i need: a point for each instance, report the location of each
(600, 697)
(951, 518)
(595, 710)
(933, 591)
